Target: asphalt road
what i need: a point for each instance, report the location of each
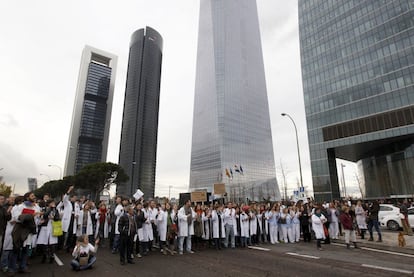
(302, 259)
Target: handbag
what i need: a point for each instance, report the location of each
(57, 228)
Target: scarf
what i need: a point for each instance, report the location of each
(102, 216)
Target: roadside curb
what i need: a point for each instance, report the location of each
(379, 245)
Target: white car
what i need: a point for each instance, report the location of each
(389, 216)
(411, 216)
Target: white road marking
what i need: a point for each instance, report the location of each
(388, 268)
(58, 261)
(380, 251)
(304, 256)
(259, 248)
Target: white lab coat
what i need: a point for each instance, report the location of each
(8, 240)
(253, 224)
(185, 229)
(206, 227)
(215, 222)
(98, 224)
(162, 225)
(244, 225)
(317, 226)
(147, 234)
(89, 225)
(67, 213)
(119, 211)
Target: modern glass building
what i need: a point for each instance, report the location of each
(358, 81)
(88, 139)
(232, 139)
(138, 150)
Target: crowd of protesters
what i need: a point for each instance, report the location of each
(134, 228)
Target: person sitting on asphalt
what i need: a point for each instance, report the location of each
(84, 253)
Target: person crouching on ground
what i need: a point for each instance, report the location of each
(84, 253)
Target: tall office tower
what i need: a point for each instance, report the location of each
(232, 139)
(138, 150)
(358, 82)
(88, 139)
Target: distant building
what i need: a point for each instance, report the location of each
(138, 149)
(89, 132)
(32, 184)
(358, 84)
(232, 138)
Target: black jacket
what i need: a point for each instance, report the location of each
(21, 230)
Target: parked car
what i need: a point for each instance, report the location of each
(411, 217)
(389, 217)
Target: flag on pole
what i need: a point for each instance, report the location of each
(241, 170)
(236, 168)
(231, 172)
(228, 173)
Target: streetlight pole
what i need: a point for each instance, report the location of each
(132, 177)
(41, 174)
(343, 179)
(60, 169)
(169, 192)
(297, 146)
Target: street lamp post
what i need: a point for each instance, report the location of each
(343, 179)
(60, 169)
(132, 177)
(169, 192)
(297, 146)
(41, 174)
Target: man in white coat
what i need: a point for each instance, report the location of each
(71, 212)
(119, 211)
(230, 225)
(186, 217)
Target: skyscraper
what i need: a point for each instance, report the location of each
(232, 139)
(358, 81)
(88, 139)
(138, 151)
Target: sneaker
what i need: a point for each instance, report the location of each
(180, 252)
(379, 240)
(190, 252)
(370, 239)
(139, 255)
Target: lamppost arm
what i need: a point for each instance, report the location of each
(297, 146)
(60, 169)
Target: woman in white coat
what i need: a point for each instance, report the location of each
(206, 219)
(318, 219)
(244, 226)
(85, 225)
(162, 228)
(102, 217)
(45, 240)
(361, 218)
(147, 234)
(217, 222)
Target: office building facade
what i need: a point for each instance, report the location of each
(232, 139)
(89, 132)
(358, 81)
(138, 150)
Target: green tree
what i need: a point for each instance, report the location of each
(5, 189)
(55, 188)
(99, 176)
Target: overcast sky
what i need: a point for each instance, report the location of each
(40, 49)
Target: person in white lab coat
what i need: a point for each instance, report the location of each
(186, 217)
(46, 240)
(244, 226)
(119, 211)
(217, 224)
(318, 220)
(69, 219)
(85, 226)
(161, 218)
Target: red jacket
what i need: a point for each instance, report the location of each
(346, 221)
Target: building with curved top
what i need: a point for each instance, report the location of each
(138, 149)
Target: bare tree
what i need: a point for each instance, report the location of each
(283, 173)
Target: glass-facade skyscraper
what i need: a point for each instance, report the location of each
(138, 150)
(232, 139)
(358, 81)
(88, 139)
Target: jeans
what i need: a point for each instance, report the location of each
(116, 243)
(181, 243)
(23, 259)
(5, 258)
(76, 266)
(229, 233)
(374, 224)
